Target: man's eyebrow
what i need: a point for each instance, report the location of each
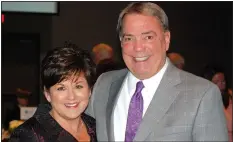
(126, 35)
(144, 33)
(149, 32)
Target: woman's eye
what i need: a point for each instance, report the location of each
(79, 86)
(61, 88)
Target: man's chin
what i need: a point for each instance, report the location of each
(142, 74)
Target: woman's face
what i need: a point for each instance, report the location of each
(69, 98)
(219, 80)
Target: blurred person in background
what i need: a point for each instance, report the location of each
(177, 59)
(103, 56)
(217, 76)
(105, 66)
(67, 75)
(102, 51)
(13, 113)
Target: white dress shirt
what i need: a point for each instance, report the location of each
(127, 91)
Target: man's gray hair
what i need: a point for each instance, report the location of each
(145, 8)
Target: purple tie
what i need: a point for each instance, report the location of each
(134, 113)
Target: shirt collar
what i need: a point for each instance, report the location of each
(132, 80)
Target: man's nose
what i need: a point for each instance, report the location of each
(138, 44)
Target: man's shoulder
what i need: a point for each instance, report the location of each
(113, 75)
(190, 76)
(196, 82)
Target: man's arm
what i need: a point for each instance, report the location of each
(210, 122)
(90, 107)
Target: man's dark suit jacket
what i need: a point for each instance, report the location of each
(43, 128)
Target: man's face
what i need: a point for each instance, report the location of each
(101, 55)
(22, 101)
(144, 45)
(180, 66)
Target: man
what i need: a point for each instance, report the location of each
(13, 113)
(176, 59)
(101, 52)
(103, 57)
(168, 104)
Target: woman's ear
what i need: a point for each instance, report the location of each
(90, 94)
(47, 95)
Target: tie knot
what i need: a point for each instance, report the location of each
(139, 86)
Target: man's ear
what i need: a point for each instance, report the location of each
(167, 37)
(47, 95)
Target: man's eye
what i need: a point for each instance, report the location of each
(149, 37)
(79, 86)
(125, 39)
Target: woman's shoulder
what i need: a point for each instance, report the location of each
(28, 124)
(91, 126)
(25, 132)
(88, 118)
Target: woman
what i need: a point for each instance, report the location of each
(67, 75)
(218, 77)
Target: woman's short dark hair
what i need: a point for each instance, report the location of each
(63, 62)
(209, 72)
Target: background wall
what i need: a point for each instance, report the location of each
(200, 31)
(21, 74)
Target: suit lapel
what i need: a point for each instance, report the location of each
(160, 103)
(112, 99)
